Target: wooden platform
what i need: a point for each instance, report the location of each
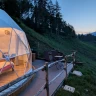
(39, 80)
(10, 75)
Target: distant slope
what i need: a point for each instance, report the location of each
(86, 53)
(93, 33)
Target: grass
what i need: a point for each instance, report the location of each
(85, 85)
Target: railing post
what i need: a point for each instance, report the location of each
(65, 66)
(47, 79)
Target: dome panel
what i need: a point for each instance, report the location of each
(8, 20)
(22, 36)
(5, 36)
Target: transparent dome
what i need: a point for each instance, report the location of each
(15, 53)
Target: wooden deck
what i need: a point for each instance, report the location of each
(10, 75)
(39, 79)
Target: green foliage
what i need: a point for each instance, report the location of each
(87, 37)
(46, 18)
(85, 85)
(16, 7)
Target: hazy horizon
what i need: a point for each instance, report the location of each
(79, 13)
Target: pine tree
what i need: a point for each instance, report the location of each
(58, 17)
(51, 11)
(24, 7)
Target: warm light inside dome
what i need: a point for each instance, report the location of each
(15, 55)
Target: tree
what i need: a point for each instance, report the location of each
(46, 18)
(58, 17)
(51, 11)
(25, 7)
(16, 7)
(10, 6)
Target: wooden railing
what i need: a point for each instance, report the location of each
(43, 68)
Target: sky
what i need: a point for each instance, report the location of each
(81, 14)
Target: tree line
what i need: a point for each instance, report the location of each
(87, 37)
(41, 15)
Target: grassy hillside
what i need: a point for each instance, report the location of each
(85, 85)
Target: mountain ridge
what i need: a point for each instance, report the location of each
(94, 33)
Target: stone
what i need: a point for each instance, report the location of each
(69, 88)
(77, 73)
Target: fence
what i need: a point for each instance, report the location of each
(44, 68)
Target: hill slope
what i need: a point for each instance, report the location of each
(85, 85)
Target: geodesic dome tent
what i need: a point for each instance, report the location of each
(15, 52)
